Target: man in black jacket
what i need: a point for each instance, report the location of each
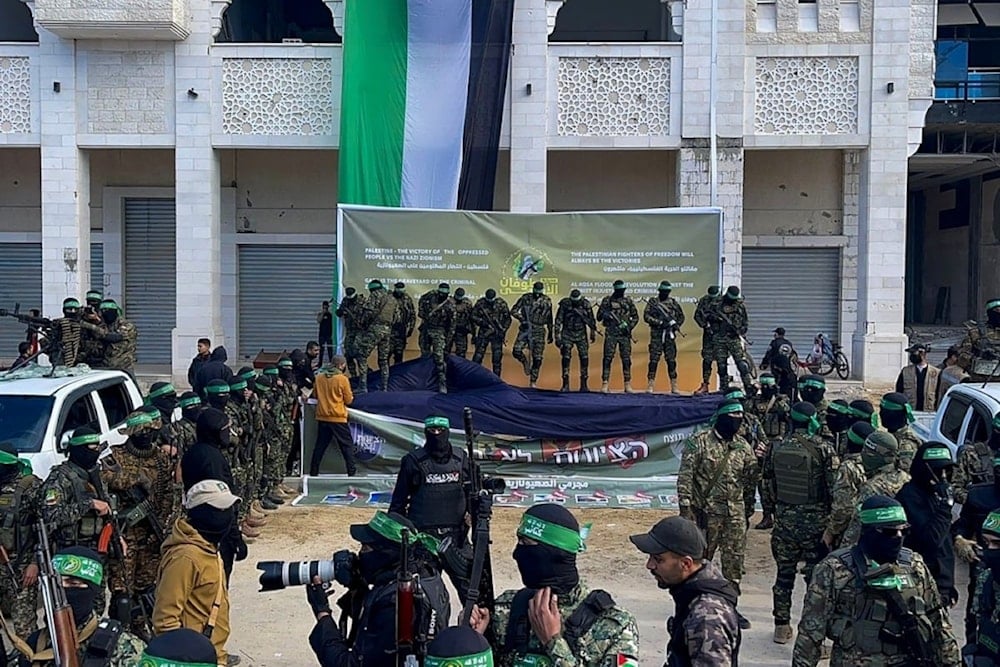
(778, 359)
(213, 369)
(200, 359)
(927, 499)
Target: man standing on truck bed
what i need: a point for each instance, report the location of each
(979, 353)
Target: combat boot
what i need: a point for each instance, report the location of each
(767, 523)
(533, 384)
(651, 386)
(287, 490)
(604, 387)
(702, 389)
(249, 531)
(274, 499)
(268, 505)
(673, 385)
(628, 387)
(363, 384)
(583, 384)
(526, 365)
(782, 634)
(255, 522)
(256, 510)
(565, 384)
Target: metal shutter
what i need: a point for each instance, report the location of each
(151, 275)
(96, 266)
(20, 282)
(281, 288)
(795, 288)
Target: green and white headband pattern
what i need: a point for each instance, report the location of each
(439, 422)
(163, 391)
(8, 459)
(992, 523)
(937, 454)
(894, 515)
(484, 659)
(839, 408)
(80, 567)
(855, 438)
(738, 394)
(189, 401)
(238, 385)
(815, 384)
(729, 409)
(152, 661)
(139, 419)
(271, 371)
(892, 405)
(217, 389)
(990, 305)
(813, 423)
(996, 422)
(552, 534)
(88, 439)
(392, 530)
(71, 303)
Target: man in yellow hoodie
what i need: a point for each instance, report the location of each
(191, 591)
(333, 394)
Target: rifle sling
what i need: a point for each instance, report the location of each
(47, 654)
(717, 474)
(213, 616)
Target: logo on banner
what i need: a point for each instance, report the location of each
(625, 451)
(561, 452)
(637, 499)
(368, 444)
(556, 496)
(524, 268)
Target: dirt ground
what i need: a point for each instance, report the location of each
(272, 629)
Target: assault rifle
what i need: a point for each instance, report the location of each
(411, 640)
(142, 510)
(9, 567)
(58, 613)
(49, 343)
(909, 639)
(617, 321)
(672, 328)
(481, 492)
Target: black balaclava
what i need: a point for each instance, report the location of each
(212, 428)
(728, 418)
(491, 294)
(575, 295)
(991, 557)
(839, 417)
(768, 386)
(191, 406)
(80, 453)
(262, 386)
(436, 432)
(71, 308)
(459, 645)
(882, 549)
(732, 294)
(237, 391)
(993, 314)
(663, 291)
(803, 418)
(812, 388)
(399, 290)
(932, 468)
(857, 435)
(217, 393)
(163, 396)
(286, 370)
(384, 556)
(211, 523)
(543, 565)
(109, 312)
(896, 416)
(182, 646)
(618, 289)
(863, 409)
(12, 471)
(80, 599)
(442, 292)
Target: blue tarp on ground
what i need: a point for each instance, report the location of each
(500, 408)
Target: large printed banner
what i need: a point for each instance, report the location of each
(510, 251)
(631, 471)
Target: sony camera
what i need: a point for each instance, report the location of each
(277, 574)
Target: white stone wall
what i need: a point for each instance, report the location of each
(129, 91)
(793, 194)
(151, 19)
(20, 190)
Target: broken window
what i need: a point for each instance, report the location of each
(621, 21)
(273, 21)
(16, 24)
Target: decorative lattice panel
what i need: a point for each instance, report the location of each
(15, 95)
(806, 95)
(614, 97)
(277, 96)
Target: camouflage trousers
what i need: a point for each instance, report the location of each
(257, 482)
(397, 345)
(569, 341)
(375, 337)
(660, 343)
(351, 353)
(535, 343)
(495, 343)
(277, 454)
(459, 343)
(708, 356)
(795, 538)
(424, 342)
(19, 604)
(725, 347)
(437, 339)
(135, 575)
(621, 343)
(728, 534)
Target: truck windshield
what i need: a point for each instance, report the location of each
(23, 420)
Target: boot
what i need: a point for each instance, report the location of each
(255, 522)
(628, 387)
(526, 365)
(767, 523)
(702, 389)
(743, 621)
(673, 385)
(256, 510)
(565, 384)
(604, 387)
(268, 505)
(651, 386)
(533, 384)
(232, 660)
(782, 634)
(583, 384)
(363, 384)
(249, 531)
(287, 490)
(274, 499)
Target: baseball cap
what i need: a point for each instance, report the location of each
(212, 492)
(780, 331)
(675, 534)
(918, 347)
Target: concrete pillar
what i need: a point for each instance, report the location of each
(529, 109)
(197, 189)
(65, 183)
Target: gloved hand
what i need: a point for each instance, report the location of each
(318, 595)
(241, 549)
(113, 337)
(965, 549)
(944, 492)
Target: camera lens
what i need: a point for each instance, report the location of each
(277, 574)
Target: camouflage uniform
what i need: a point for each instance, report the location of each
(120, 355)
(403, 327)
(350, 312)
(802, 501)
(278, 420)
(534, 312)
(613, 634)
(258, 444)
(65, 507)
(572, 321)
(772, 413)
(727, 342)
(127, 651)
(981, 613)
(464, 328)
(437, 326)
(711, 629)
(488, 316)
(726, 504)
(619, 317)
(663, 335)
(377, 318)
(18, 511)
(845, 495)
(979, 351)
(975, 466)
(886, 481)
(909, 443)
(239, 462)
(704, 317)
(838, 605)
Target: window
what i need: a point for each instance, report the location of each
(116, 403)
(954, 416)
(767, 16)
(622, 21)
(850, 16)
(80, 413)
(23, 420)
(808, 16)
(979, 427)
(16, 24)
(272, 21)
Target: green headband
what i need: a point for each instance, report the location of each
(990, 305)
(992, 522)
(728, 409)
(249, 375)
(8, 459)
(94, 295)
(816, 384)
(148, 660)
(996, 462)
(238, 385)
(767, 380)
(261, 387)
(937, 454)
(88, 439)
(737, 394)
(441, 422)
(217, 389)
(392, 530)
(139, 419)
(189, 401)
(110, 305)
(271, 371)
(889, 405)
(855, 438)
(894, 514)
(839, 408)
(71, 303)
(484, 659)
(814, 425)
(163, 391)
(285, 363)
(551, 534)
(80, 567)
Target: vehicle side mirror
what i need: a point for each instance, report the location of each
(63, 445)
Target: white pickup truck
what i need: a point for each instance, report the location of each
(963, 417)
(37, 414)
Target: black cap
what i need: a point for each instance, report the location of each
(733, 292)
(457, 642)
(182, 646)
(399, 286)
(491, 293)
(674, 534)
(350, 291)
(780, 331)
(918, 347)
(365, 534)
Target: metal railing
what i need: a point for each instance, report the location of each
(979, 85)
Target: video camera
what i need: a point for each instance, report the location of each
(278, 574)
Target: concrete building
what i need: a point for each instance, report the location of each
(181, 156)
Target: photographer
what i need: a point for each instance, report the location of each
(371, 641)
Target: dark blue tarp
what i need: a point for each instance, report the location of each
(499, 408)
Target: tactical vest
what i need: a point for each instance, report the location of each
(930, 385)
(384, 309)
(12, 518)
(439, 501)
(984, 472)
(874, 630)
(798, 472)
(97, 649)
(87, 530)
(516, 640)
(431, 615)
(773, 423)
(988, 632)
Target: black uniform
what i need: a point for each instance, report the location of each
(213, 369)
(982, 499)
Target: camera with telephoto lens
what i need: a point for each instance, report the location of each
(494, 485)
(277, 574)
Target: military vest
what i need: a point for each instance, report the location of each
(430, 616)
(439, 501)
(87, 530)
(798, 471)
(13, 517)
(988, 632)
(774, 424)
(874, 630)
(984, 472)
(516, 640)
(985, 351)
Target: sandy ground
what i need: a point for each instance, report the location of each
(272, 629)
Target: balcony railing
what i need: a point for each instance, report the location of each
(979, 85)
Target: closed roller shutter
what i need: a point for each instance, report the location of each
(97, 266)
(151, 275)
(20, 282)
(281, 288)
(795, 288)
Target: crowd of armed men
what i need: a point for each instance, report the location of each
(383, 321)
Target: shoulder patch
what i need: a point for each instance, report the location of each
(53, 496)
(622, 660)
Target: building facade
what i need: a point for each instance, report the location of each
(182, 154)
